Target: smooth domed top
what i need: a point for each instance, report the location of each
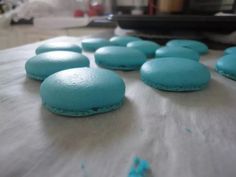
(55, 46)
(226, 65)
(42, 65)
(177, 74)
(230, 50)
(123, 40)
(82, 89)
(180, 52)
(198, 46)
(147, 47)
(116, 57)
(92, 44)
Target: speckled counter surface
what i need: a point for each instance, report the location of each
(181, 134)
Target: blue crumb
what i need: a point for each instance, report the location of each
(139, 168)
(188, 130)
(82, 166)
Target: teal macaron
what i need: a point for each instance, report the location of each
(92, 44)
(82, 92)
(43, 65)
(175, 74)
(226, 66)
(198, 46)
(147, 47)
(230, 50)
(179, 52)
(123, 40)
(58, 46)
(120, 58)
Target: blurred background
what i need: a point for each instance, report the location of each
(27, 21)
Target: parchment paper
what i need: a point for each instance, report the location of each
(189, 134)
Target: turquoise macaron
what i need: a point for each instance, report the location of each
(179, 52)
(147, 47)
(55, 46)
(41, 66)
(120, 58)
(226, 66)
(175, 74)
(82, 91)
(123, 40)
(92, 44)
(230, 50)
(198, 46)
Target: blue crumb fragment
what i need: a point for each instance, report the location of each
(188, 130)
(82, 166)
(139, 168)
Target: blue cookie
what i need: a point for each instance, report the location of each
(147, 47)
(55, 46)
(123, 40)
(92, 44)
(226, 66)
(230, 50)
(179, 52)
(120, 58)
(82, 91)
(198, 46)
(175, 74)
(41, 66)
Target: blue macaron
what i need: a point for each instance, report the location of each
(179, 52)
(198, 46)
(226, 66)
(82, 91)
(92, 44)
(175, 74)
(147, 47)
(58, 46)
(230, 50)
(41, 66)
(123, 40)
(120, 58)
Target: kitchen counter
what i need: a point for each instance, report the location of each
(16, 35)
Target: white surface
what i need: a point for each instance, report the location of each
(181, 134)
(61, 22)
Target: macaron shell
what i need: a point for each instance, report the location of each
(230, 50)
(41, 66)
(147, 47)
(92, 44)
(226, 66)
(172, 74)
(58, 46)
(198, 46)
(121, 58)
(179, 52)
(82, 91)
(123, 40)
